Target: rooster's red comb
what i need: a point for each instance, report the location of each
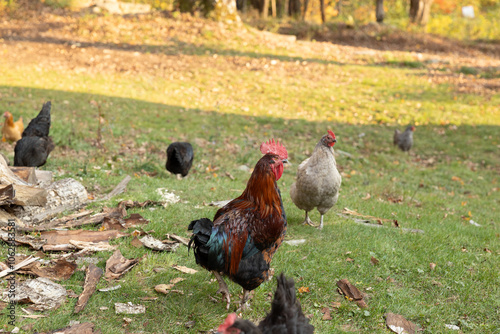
(330, 132)
(274, 147)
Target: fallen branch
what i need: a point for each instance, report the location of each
(120, 187)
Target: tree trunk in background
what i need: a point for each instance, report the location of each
(338, 6)
(306, 4)
(322, 8)
(225, 10)
(294, 8)
(420, 11)
(273, 8)
(379, 11)
(265, 9)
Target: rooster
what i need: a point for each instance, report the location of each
(404, 140)
(11, 131)
(318, 180)
(179, 158)
(246, 232)
(33, 149)
(285, 317)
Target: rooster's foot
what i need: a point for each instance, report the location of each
(245, 303)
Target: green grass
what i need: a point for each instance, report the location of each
(227, 102)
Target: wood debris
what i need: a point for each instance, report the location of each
(83, 328)
(60, 270)
(117, 265)
(185, 270)
(129, 308)
(42, 292)
(93, 274)
(21, 264)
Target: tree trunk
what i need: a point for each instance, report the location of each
(306, 4)
(265, 9)
(225, 10)
(273, 8)
(379, 11)
(338, 6)
(322, 8)
(294, 8)
(420, 11)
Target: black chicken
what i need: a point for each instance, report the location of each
(179, 158)
(40, 125)
(35, 145)
(285, 317)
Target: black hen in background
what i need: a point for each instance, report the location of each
(179, 158)
(35, 145)
(40, 125)
(285, 317)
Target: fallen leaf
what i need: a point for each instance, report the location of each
(398, 324)
(374, 261)
(176, 280)
(432, 266)
(452, 327)
(295, 242)
(304, 289)
(368, 196)
(326, 313)
(136, 242)
(185, 270)
(164, 288)
(349, 260)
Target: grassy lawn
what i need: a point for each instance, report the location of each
(226, 92)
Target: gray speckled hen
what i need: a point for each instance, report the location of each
(318, 180)
(404, 140)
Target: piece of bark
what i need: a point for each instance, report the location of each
(63, 237)
(93, 246)
(66, 194)
(352, 292)
(112, 224)
(58, 248)
(35, 243)
(177, 238)
(117, 265)
(93, 274)
(7, 176)
(42, 292)
(398, 324)
(44, 178)
(136, 242)
(83, 328)
(6, 216)
(61, 270)
(22, 264)
(155, 244)
(26, 174)
(135, 219)
(6, 194)
(29, 196)
(129, 308)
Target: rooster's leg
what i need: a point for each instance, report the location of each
(223, 288)
(308, 221)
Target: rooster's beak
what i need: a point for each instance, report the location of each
(285, 161)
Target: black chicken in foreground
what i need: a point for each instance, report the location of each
(285, 317)
(179, 158)
(35, 145)
(404, 140)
